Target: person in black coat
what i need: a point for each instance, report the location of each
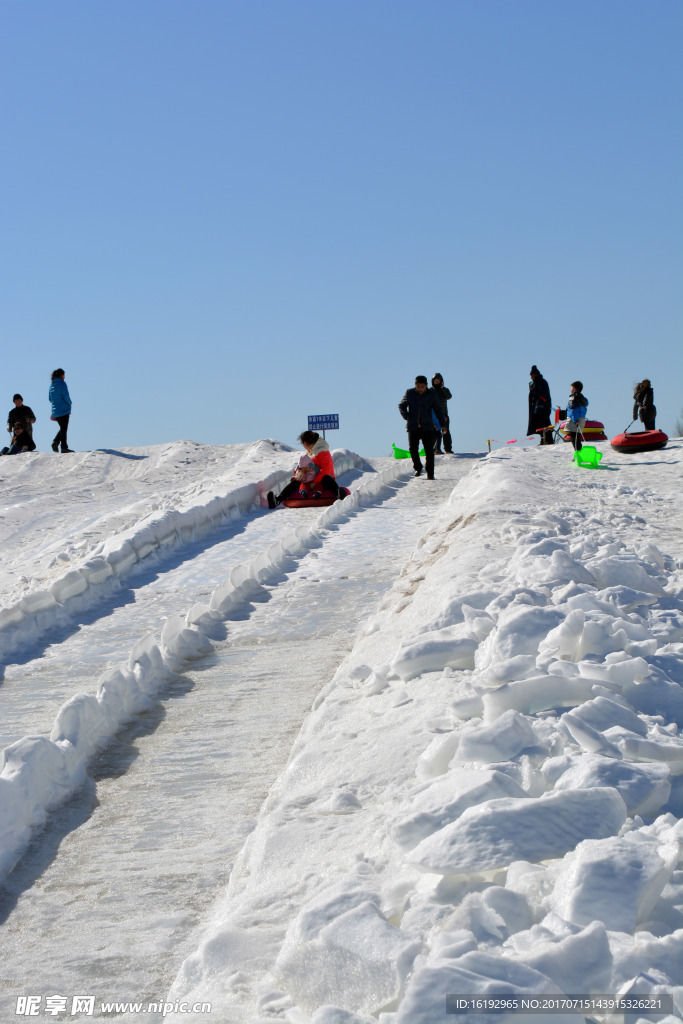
(443, 394)
(539, 406)
(416, 408)
(644, 407)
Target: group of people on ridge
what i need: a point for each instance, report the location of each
(423, 409)
(22, 417)
(577, 407)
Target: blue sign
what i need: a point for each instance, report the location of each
(329, 422)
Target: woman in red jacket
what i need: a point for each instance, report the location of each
(324, 480)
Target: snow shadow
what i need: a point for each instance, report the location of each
(111, 762)
(121, 455)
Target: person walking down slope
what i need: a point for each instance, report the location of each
(577, 407)
(539, 406)
(443, 394)
(416, 408)
(23, 414)
(644, 407)
(61, 409)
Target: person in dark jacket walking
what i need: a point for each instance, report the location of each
(443, 394)
(61, 409)
(21, 414)
(416, 408)
(644, 407)
(539, 406)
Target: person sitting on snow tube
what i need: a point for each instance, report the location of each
(318, 451)
(577, 407)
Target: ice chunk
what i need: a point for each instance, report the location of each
(579, 962)
(500, 741)
(602, 713)
(181, 642)
(96, 570)
(475, 973)
(625, 571)
(38, 601)
(615, 880)
(668, 749)
(434, 651)
(354, 959)
(520, 631)
(644, 788)
(588, 737)
(435, 759)
(70, 585)
(444, 800)
(537, 694)
(494, 914)
(494, 834)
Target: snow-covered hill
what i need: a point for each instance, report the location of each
(486, 795)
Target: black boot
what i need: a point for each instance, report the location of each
(273, 502)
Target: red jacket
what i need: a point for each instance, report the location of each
(322, 459)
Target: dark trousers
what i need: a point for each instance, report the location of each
(328, 483)
(427, 438)
(447, 440)
(60, 436)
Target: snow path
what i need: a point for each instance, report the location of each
(185, 780)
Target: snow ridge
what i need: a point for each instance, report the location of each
(24, 620)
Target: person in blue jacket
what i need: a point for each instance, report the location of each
(61, 409)
(577, 407)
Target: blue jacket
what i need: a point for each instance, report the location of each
(416, 409)
(577, 406)
(59, 397)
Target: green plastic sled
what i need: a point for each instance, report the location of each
(401, 453)
(588, 457)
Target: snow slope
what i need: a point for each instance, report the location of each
(39, 772)
(485, 796)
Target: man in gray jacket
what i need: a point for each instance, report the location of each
(416, 408)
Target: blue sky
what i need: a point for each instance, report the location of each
(221, 216)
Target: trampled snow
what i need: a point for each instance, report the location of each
(484, 797)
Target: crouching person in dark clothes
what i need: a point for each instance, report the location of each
(416, 408)
(21, 441)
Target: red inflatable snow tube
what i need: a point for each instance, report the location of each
(640, 441)
(326, 498)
